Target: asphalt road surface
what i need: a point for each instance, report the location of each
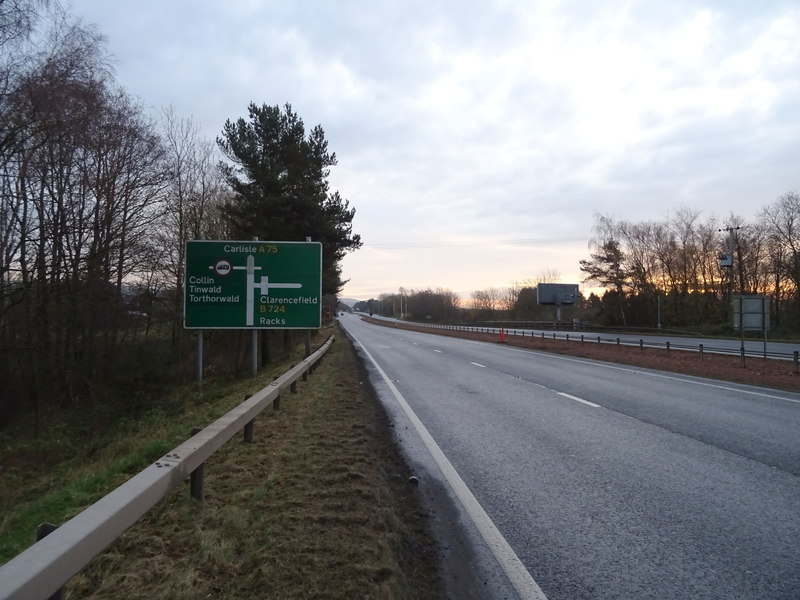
(605, 481)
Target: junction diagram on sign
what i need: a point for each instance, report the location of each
(263, 285)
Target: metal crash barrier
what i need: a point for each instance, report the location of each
(43, 569)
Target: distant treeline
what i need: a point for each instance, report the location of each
(680, 272)
(691, 269)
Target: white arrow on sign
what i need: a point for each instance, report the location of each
(263, 286)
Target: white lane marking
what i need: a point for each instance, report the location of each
(586, 402)
(478, 365)
(439, 351)
(600, 363)
(726, 388)
(518, 575)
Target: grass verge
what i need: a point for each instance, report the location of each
(318, 507)
(55, 476)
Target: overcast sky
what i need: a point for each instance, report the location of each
(477, 140)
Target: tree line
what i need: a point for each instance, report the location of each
(97, 201)
(517, 302)
(682, 271)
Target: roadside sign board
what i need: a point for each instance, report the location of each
(252, 285)
(751, 312)
(557, 293)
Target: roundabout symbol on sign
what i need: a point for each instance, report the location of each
(223, 267)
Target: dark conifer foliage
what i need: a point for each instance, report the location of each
(279, 176)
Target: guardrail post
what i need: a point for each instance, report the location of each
(196, 477)
(796, 361)
(567, 337)
(248, 427)
(276, 404)
(248, 432)
(598, 340)
(701, 351)
(293, 387)
(42, 531)
(196, 483)
(741, 351)
(667, 345)
(581, 338)
(617, 341)
(641, 344)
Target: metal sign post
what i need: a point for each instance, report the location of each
(254, 345)
(200, 358)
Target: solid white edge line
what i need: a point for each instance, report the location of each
(571, 397)
(518, 575)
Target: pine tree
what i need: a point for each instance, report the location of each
(279, 179)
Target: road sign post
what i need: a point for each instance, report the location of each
(253, 285)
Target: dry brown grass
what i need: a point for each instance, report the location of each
(317, 507)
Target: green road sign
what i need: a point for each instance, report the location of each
(253, 285)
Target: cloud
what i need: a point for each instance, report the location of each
(492, 120)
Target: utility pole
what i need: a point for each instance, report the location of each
(731, 234)
(728, 261)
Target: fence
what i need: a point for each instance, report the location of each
(42, 570)
(641, 343)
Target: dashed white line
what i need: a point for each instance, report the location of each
(439, 351)
(653, 373)
(478, 365)
(581, 400)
